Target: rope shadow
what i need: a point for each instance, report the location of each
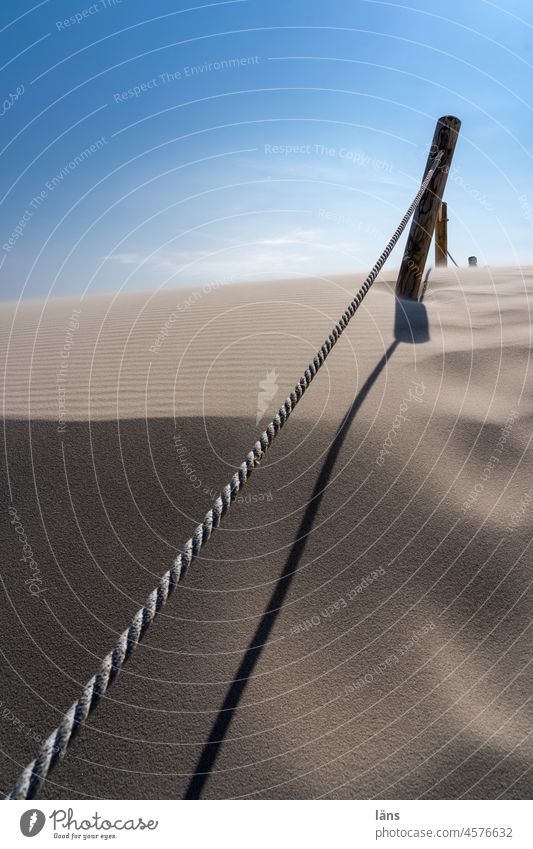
(403, 332)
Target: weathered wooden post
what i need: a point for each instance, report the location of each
(414, 259)
(441, 237)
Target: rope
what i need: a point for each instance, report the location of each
(54, 747)
(425, 286)
(426, 281)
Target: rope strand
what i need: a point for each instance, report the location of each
(54, 747)
(452, 259)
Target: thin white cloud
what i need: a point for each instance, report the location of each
(330, 171)
(294, 237)
(299, 250)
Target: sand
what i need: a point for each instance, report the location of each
(359, 626)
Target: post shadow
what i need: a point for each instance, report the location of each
(411, 326)
(410, 322)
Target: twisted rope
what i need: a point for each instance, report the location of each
(452, 259)
(54, 747)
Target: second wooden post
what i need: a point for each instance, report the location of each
(414, 259)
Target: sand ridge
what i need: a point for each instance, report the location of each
(274, 672)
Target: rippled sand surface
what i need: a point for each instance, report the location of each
(359, 625)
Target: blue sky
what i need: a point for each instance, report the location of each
(172, 144)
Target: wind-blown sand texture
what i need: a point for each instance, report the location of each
(359, 625)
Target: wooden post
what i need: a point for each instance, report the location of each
(441, 237)
(414, 259)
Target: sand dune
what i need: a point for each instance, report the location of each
(359, 626)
